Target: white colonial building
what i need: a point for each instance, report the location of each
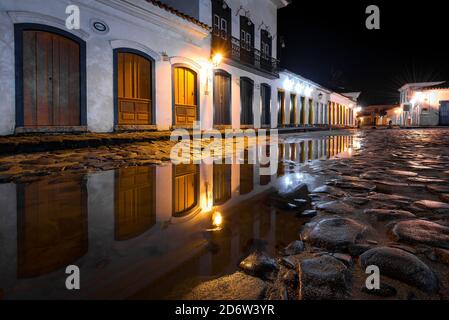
(151, 65)
(424, 104)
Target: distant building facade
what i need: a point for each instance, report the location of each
(379, 115)
(425, 104)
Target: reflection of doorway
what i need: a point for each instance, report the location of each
(222, 98)
(185, 189)
(135, 201)
(222, 183)
(186, 96)
(134, 87)
(265, 95)
(246, 175)
(51, 78)
(52, 225)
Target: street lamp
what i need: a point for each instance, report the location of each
(217, 59)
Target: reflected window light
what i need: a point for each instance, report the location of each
(217, 219)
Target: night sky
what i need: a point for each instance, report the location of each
(328, 43)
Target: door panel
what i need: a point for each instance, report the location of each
(185, 87)
(265, 92)
(293, 109)
(281, 106)
(222, 99)
(444, 113)
(246, 97)
(51, 81)
(134, 89)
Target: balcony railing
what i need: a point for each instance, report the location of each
(250, 57)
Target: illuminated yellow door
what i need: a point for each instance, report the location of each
(185, 87)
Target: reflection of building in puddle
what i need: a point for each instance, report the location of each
(144, 223)
(135, 201)
(52, 225)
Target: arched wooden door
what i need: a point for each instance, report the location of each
(134, 93)
(222, 98)
(265, 94)
(246, 98)
(281, 108)
(186, 96)
(51, 80)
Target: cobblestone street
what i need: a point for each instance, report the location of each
(387, 205)
(339, 203)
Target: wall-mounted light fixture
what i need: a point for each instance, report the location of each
(224, 5)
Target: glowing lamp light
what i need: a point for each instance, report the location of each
(217, 59)
(299, 88)
(288, 84)
(419, 97)
(217, 219)
(358, 109)
(308, 91)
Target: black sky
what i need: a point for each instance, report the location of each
(328, 43)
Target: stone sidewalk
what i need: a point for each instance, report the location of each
(29, 143)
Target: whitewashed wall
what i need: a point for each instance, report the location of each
(141, 26)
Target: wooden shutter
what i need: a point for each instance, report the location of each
(51, 80)
(185, 87)
(134, 89)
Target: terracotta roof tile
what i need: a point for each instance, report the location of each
(179, 14)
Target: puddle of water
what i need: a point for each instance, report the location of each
(148, 232)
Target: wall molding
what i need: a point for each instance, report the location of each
(37, 18)
(118, 44)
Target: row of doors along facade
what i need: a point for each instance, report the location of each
(53, 79)
(304, 117)
(52, 82)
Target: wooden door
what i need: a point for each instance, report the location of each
(444, 113)
(281, 108)
(51, 80)
(222, 99)
(186, 102)
(293, 109)
(246, 98)
(135, 202)
(134, 82)
(311, 122)
(52, 225)
(186, 189)
(265, 92)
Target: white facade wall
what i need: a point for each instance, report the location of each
(140, 25)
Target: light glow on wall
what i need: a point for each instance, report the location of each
(288, 84)
(308, 92)
(299, 88)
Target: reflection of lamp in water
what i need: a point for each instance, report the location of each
(217, 219)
